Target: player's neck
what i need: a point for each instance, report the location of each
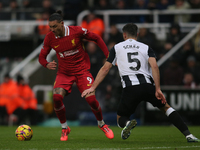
(63, 32)
(130, 38)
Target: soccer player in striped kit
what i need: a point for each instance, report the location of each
(74, 66)
(140, 79)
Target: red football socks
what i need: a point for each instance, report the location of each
(59, 107)
(95, 107)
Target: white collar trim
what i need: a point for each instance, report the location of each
(66, 31)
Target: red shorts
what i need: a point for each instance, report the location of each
(83, 81)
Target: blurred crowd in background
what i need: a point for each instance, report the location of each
(182, 69)
(72, 8)
(17, 102)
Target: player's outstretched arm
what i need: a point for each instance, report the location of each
(44, 52)
(155, 71)
(156, 77)
(99, 78)
(99, 41)
(159, 95)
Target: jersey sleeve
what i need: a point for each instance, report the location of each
(151, 53)
(96, 38)
(44, 52)
(112, 56)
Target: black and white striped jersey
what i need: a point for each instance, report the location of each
(131, 57)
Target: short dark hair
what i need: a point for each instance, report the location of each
(56, 16)
(131, 29)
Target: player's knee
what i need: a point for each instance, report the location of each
(91, 94)
(165, 108)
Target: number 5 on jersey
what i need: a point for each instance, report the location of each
(137, 61)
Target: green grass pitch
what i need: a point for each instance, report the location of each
(92, 138)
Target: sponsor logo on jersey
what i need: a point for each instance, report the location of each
(61, 55)
(73, 42)
(56, 46)
(68, 53)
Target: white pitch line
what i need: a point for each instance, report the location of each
(142, 148)
(169, 147)
(193, 146)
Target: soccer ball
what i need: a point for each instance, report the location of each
(24, 133)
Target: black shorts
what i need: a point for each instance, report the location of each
(133, 95)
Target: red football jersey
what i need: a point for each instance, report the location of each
(72, 57)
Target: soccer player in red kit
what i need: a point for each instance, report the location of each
(74, 66)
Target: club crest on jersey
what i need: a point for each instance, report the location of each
(73, 42)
